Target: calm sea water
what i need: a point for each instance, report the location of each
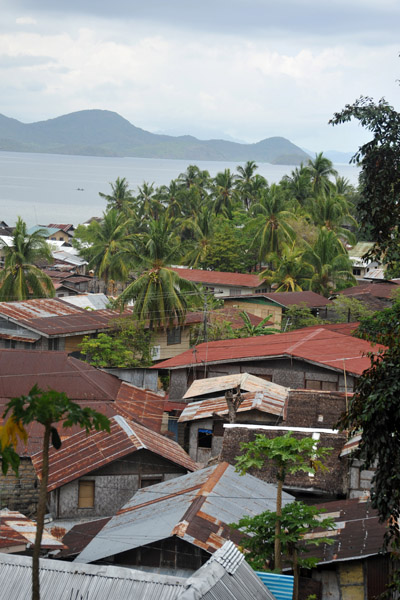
(51, 188)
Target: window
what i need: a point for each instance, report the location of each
(356, 271)
(316, 384)
(235, 291)
(10, 343)
(53, 344)
(86, 494)
(148, 480)
(204, 438)
(174, 336)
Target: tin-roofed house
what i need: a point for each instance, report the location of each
(262, 402)
(173, 527)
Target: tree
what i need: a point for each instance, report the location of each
(289, 271)
(160, 295)
(250, 330)
(50, 408)
(121, 198)
(379, 204)
(223, 193)
(107, 246)
(349, 309)
(297, 520)
(288, 455)
(128, 344)
(298, 316)
(320, 169)
(331, 263)
(21, 279)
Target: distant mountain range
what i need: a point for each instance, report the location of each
(105, 133)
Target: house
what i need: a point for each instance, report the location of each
(17, 534)
(264, 402)
(222, 283)
(312, 358)
(360, 265)
(51, 233)
(94, 474)
(354, 564)
(179, 523)
(225, 576)
(276, 303)
(84, 384)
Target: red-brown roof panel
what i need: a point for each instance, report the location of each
(219, 277)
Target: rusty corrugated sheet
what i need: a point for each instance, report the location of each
(261, 401)
(15, 527)
(351, 445)
(82, 453)
(144, 406)
(219, 277)
(246, 381)
(39, 308)
(318, 346)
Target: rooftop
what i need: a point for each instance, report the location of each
(82, 453)
(219, 277)
(194, 507)
(380, 290)
(15, 528)
(317, 345)
(284, 299)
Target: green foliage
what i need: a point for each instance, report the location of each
(297, 519)
(21, 279)
(287, 453)
(298, 316)
(349, 309)
(379, 205)
(127, 345)
(249, 330)
(383, 326)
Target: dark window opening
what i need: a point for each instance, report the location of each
(174, 336)
(325, 386)
(356, 271)
(53, 344)
(150, 480)
(204, 438)
(218, 429)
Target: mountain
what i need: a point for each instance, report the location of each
(105, 133)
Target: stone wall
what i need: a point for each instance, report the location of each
(20, 493)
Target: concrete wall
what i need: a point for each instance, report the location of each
(142, 378)
(115, 484)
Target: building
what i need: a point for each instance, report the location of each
(315, 358)
(179, 523)
(222, 283)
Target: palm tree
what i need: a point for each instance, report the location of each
(201, 227)
(248, 183)
(21, 279)
(331, 263)
(121, 198)
(223, 193)
(160, 295)
(320, 169)
(272, 221)
(150, 205)
(291, 273)
(298, 184)
(333, 212)
(250, 330)
(107, 246)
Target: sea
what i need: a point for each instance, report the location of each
(53, 188)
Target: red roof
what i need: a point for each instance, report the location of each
(82, 453)
(310, 299)
(379, 290)
(319, 346)
(219, 277)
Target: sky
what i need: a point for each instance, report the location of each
(235, 69)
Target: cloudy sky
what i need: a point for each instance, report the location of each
(239, 69)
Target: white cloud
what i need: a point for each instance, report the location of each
(25, 21)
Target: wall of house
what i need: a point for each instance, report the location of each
(140, 377)
(221, 291)
(291, 373)
(259, 309)
(20, 493)
(165, 350)
(115, 484)
(71, 343)
(359, 479)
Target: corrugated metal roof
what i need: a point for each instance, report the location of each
(15, 527)
(219, 277)
(39, 308)
(319, 346)
(380, 290)
(246, 381)
(310, 299)
(94, 301)
(64, 581)
(357, 533)
(262, 401)
(360, 249)
(351, 445)
(82, 453)
(196, 507)
(280, 585)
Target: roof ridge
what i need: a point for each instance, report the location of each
(125, 425)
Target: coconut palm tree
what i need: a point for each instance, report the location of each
(21, 279)
(272, 222)
(331, 263)
(332, 211)
(107, 246)
(121, 198)
(290, 271)
(223, 193)
(160, 295)
(201, 227)
(248, 183)
(321, 168)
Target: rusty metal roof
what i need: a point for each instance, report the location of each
(16, 528)
(20, 370)
(357, 533)
(351, 445)
(82, 453)
(262, 401)
(197, 507)
(79, 536)
(284, 299)
(219, 277)
(246, 381)
(40, 308)
(380, 290)
(318, 345)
